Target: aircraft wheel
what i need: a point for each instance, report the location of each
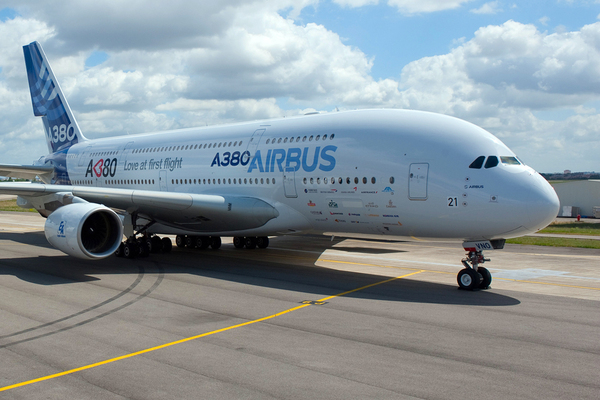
(130, 250)
(468, 279)
(215, 242)
(143, 249)
(262, 242)
(167, 245)
(250, 242)
(486, 278)
(119, 252)
(156, 244)
(180, 240)
(203, 242)
(239, 242)
(190, 242)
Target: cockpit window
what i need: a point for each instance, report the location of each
(510, 160)
(478, 163)
(491, 162)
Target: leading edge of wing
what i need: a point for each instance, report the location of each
(228, 212)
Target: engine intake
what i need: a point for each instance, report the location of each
(84, 230)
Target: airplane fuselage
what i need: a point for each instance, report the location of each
(392, 172)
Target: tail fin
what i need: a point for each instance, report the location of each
(49, 102)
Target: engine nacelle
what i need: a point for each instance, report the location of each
(84, 230)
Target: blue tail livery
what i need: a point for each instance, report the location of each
(49, 102)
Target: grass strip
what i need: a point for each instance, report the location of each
(11, 205)
(556, 242)
(573, 228)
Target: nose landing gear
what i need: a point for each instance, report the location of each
(474, 276)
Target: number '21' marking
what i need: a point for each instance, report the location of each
(452, 202)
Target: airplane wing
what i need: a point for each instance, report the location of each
(24, 171)
(199, 212)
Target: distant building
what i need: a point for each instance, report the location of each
(567, 171)
(584, 194)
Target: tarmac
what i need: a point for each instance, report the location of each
(309, 317)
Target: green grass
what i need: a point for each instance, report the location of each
(556, 242)
(11, 205)
(573, 228)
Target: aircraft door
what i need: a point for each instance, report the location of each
(124, 154)
(417, 181)
(83, 155)
(289, 182)
(254, 141)
(162, 180)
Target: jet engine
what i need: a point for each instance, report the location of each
(84, 230)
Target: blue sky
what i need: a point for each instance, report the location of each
(394, 39)
(527, 71)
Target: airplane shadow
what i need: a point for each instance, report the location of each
(265, 268)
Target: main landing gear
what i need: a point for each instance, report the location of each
(214, 242)
(474, 276)
(140, 244)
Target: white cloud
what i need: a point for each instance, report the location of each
(250, 55)
(425, 6)
(355, 3)
(488, 8)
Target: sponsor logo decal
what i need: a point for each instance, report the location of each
(310, 190)
(311, 204)
(391, 216)
(388, 190)
(333, 204)
(354, 214)
(316, 212)
(371, 205)
(61, 230)
(336, 213)
(390, 205)
(372, 215)
(340, 220)
(369, 191)
(473, 186)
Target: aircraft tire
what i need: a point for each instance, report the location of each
(203, 242)
(250, 242)
(215, 242)
(180, 240)
(262, 242)
(468, 279)
(191, 242)
(239, 242)
(167, 245)
(486, 278)
(119, 252)
(130, 250)
(155, 244)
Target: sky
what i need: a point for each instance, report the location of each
(526, 71)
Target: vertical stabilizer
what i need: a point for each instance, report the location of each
(62, 131)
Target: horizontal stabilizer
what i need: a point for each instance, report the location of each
(24, 171)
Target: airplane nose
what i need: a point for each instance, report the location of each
(542, 205)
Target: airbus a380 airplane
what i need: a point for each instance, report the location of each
(390, 172)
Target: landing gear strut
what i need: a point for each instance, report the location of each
(143, 245)
(474, 276)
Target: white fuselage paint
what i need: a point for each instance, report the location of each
(403, 173)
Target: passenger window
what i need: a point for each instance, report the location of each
(478, 163)
(491, 162)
